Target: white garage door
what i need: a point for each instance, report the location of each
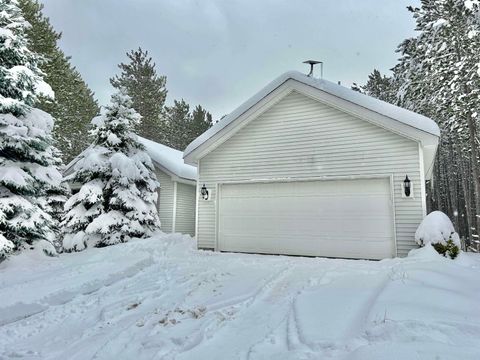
(334, 218)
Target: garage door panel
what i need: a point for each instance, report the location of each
(318, 204)
(316, 247)
(343, 218)
(328, 227)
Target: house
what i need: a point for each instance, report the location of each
(176, 195)
(308, 167)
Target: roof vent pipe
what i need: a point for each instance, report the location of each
(312, 63)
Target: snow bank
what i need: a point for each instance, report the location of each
(435, 228)
(160, 298)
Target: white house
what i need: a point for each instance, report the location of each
(176, 195)
(308, 167)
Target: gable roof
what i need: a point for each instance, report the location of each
(170, 159)
(394, 118)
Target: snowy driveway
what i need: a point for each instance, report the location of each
(160, 299)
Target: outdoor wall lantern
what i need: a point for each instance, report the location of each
(204, 192)
(407, 186)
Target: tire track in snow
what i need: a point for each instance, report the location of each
(360, 321)
(183, 290)
(20, 311)
(288, 328)
(146, 309)
(228, 311)
(144, 282)
(337, 341)
(251, 323)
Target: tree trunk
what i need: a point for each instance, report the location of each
(475, 165)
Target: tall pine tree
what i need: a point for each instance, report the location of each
(30, 183)
(184, 126)
(147, 90)
(379, 86)
(74, 105)
(438, 75)
(118, 198)
(201, 122)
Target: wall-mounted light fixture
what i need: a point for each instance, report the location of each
(204, 192)
(407, 186)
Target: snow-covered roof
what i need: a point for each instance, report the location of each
(406, 117)
(169, 158)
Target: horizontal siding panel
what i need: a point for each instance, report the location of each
(185, 214)
(290, 164)
(318, 155)
(312, 139)
(301, 138)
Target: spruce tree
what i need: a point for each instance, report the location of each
(379, 86)
(438, 76)
(147, 90)
(201, 122)
(118, 198)
(74, 105)
(177, 121)
(184, 126)
(30, 183)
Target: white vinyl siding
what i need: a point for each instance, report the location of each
(165, 200)
(185, 214)
(301, 138)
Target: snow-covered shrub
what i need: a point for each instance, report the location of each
(6, 247)
(30, 183)
(117, 200)
(437, 229)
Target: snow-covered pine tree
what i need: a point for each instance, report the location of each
(30, 183)
(380, 86)
(439, 76)
(74, 106)
(118, 198)
(147, 90)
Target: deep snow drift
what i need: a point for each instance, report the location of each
(160, 299)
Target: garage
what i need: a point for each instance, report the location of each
(308, 167)
(333, 218)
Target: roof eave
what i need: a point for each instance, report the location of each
(199, 147)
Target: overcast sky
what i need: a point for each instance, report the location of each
(218, 53)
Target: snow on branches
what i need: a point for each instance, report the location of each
(31, 192)
(117, 200)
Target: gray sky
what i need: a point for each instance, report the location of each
(218, 53)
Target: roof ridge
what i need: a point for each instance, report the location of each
(402, 115)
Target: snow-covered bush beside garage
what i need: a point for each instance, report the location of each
(437, 230)
(117, 200)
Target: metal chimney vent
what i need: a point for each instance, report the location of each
(312, 63)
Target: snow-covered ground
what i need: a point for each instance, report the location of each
(161, 299)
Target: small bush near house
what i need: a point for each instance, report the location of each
(437, 229)
(448, 250)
